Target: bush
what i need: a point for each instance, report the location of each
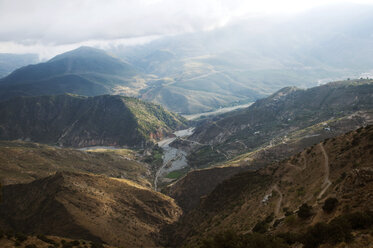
(31, 246)
(305, 211)
(46, 240)
(338, 230)
(97, 245)
(230, 239)
(260, 227)
(20, 237)
(289, 238)
(330, 204)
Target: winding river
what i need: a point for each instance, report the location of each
(173, 158)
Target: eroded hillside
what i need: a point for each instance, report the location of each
(270, 199)
(85, 206)
(290, 116)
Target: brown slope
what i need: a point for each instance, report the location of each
(81, 206)
(188, 190)
(23, 162)
(238, 204)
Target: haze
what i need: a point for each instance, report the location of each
(52, 27)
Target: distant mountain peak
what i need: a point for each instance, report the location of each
(83, 51)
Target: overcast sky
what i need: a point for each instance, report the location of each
(49, 27)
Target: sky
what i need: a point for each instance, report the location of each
(49, 27)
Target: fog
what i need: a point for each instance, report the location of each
(53, 26)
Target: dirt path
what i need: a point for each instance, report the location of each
(279, 201)
(326, 182)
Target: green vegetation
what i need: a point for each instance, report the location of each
(155, 158)
(77, 121)
(204, 157)
(177, 174)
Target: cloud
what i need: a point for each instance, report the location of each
(66, 23)
(71, 21)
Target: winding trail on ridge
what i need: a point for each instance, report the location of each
(279, 201)
(326, 182)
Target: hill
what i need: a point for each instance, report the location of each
(283, 123)
(77, 121)
(84, 206)
(9, 62)
(24, 162)
(84, 71)
(325, 188)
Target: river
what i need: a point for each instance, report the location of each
(217, 112)
(173, 158)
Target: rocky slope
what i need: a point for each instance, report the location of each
(271, 199)
(69, 120)
(85, 206)
(287, 116)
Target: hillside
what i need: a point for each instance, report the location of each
(82, 206)
(9, 62)
(84, 71)
(77, 121)
(24, 162)
(271, 199)
(294, 117)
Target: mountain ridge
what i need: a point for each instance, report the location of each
(80, 121)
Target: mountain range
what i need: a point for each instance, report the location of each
(83, 71)
(294, 117)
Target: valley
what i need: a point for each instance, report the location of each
(186, 180)
(199, 124)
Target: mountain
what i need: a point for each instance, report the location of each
(9, 62)
(84, 71)
(85, 206)
(78, 121)
(294, 117)
(248, 59)
(24, 162)
(321, 195)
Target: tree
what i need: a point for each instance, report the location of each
(330, 204)
(305, 211)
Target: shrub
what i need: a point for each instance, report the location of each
(305, 211)
(31, 246)
(330, 204)
(47, 240)
(97, 245)
(230, 239)
(289, 238)
(20, 237)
